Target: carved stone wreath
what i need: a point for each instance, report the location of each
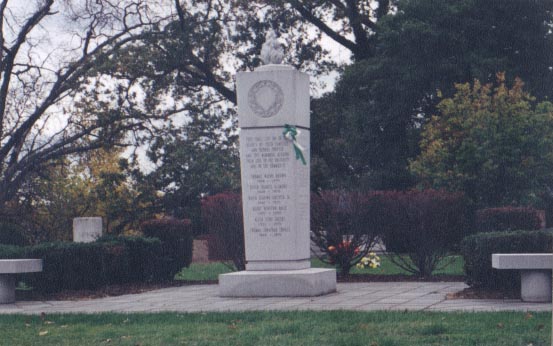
(265, 98)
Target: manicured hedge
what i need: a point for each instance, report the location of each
(509, 219)
(110, 260)
(477, 251)
(11, 234)
(176, 241)
(11, 252)
(67, 266)
(143, 260)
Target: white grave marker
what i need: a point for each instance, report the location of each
(87, 229)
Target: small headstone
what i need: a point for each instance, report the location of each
(87, 229)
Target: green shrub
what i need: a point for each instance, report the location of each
(116, 261)
(508, 219)
(477, 251)
(11, 252)
(146, 259)
(67, 266)
(111, 260)
(11, 234)
(176, 240)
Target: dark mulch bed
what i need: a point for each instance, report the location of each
(399, 278)
(476, 293)
(467, 293)
(105, 291)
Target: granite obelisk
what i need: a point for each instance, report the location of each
(273, 115)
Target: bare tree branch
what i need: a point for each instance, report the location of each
(8, 60)
(209, 78)
(304, 12)
(32, 93)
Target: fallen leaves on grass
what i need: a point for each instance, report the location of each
(234, 324)
(363, 326)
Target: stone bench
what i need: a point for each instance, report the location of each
(8, 269)
(535, 273)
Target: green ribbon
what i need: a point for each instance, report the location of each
(291, 132)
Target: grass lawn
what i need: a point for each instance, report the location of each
(280, 328)
(210, 271)
(202, 271)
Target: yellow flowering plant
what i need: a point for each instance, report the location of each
(371, 261)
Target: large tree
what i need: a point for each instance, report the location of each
(191, 162)
(193, 58)
(80, 75)
(422, 50)
(53, 101)
(191, 62)
(490, 142)
(351, 24)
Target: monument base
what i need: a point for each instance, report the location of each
(284, 283)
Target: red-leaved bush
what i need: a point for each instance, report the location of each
(344, 226)
(424, 225)
(222, 216)
(509, 219)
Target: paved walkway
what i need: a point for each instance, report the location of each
(427, 296)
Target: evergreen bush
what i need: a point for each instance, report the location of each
(477, 252)
(110, 260)
(176, 239)
(12, 234)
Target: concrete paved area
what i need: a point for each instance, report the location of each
(427, 296)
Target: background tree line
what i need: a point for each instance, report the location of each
(159, 77)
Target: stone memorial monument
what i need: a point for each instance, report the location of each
(87, 229)
(273, 115)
